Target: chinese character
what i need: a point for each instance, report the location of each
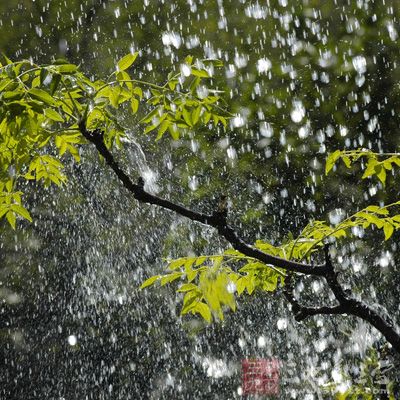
(260, 376)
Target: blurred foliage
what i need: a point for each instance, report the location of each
(370, 380)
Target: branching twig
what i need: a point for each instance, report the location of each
(347, 304)
(216, 220)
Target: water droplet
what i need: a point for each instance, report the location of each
(72, 340)
(263, 65)
(298, 112)
(360, 64)
(261, 341)
(186, 70)
(266, 129)
(282, 324)
(171, 39)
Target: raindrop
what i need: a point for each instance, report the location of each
(266, 129)
(261, 341)
(72, 340)
(263, 65)
(282, 324)
(256, 11)
(171, 39)
(185, 70)
(360, 64)
(238, 121)
(298, 112)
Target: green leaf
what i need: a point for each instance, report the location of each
(173, 131)
(150, 128)
(189, 301)
(331, 160)
(241, 285)
(370, 170)
(23, 212)
(381, 174)
(67, 69)
(8, 61)
(200, 260)
(196, 114)
(204, 310)
(150, 116)
(175, 264)
(187, 287)
(163, 127)
(41, 95)
(11, 219)
(200, 73)
(134, 104)
(188, 60)
(347, 161)
(53, 115)
(138, 92)
(126, 61)
(187, 117)
(54, 83)
(388, 230)
(170, 278)
(124, 77)
(150, 281)
(9, 185)
(377, 210)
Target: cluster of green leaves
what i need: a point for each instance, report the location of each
(199, 105)
(376, 163)
(42, 107)
(316, 233)
(210, 283)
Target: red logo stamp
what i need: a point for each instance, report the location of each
(260, 376)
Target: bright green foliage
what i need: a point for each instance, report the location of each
(377, 163)
(198, 106)
(211, 282)
(41, 107)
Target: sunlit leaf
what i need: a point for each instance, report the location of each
(126, 61)
(150, 281)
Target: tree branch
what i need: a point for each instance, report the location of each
(217, 220)
(347, 305)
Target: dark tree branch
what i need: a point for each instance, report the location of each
(216, 220)
(347, 305)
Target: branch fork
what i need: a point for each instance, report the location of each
(218, 220)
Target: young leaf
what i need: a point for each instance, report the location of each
(388, 230)
(134, 104)
(330, 161)
(203, 310)
(41, 95)
(187, 287)
(11, 219)
(23, 212)
(53, 115)
(150, 281)
(126, 61)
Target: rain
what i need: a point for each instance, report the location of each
(300, 80)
